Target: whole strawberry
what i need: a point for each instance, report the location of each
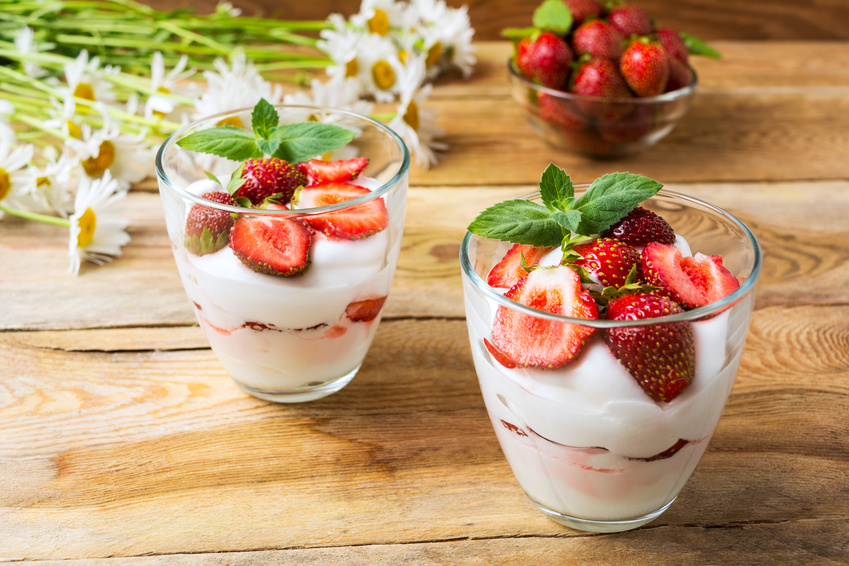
(630, 20)
(660, 357)
(208, 228)
(545, 59)
(599, 39)
(268, 176)
(640, 227)
(608, 260)
(645, 67)
(601, 78)
(679, 75)
(583, 10)
(674, 44)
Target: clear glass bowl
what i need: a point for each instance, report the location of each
(599, 127)
(289, 339)
(588, 446)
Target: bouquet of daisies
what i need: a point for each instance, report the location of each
(89, 90)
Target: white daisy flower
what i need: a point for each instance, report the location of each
(85, 79)
(96, 235)
(378, 66)
(55, 182)
(17, 180)
(234, 87)
(340, 45)
(380, 16)
(447, 34)
(162, 84)
(127, 158)
(25, 44)
(63, 116)
(415, 124)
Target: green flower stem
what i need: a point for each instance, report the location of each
(46, 218)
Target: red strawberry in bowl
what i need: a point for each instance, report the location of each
(509, 270)
(337, 170)
(269, 176)
(272, 245)
(674, 44)
(645, 67)
(537, 342)
(350, 223)
(662, 356)
(608, 260)
(583, 10)
(601, 78)
(692, 281)
(208, 228)
(544, 58)
(598, 39)
(630, 20)
(641, 227)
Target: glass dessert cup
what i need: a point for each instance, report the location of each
(298, 338)
(599, 127)
(588, 446)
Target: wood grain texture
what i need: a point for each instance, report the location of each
(708, 19)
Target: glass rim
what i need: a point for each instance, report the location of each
(747, 286)
(171, 141)
(663, 97)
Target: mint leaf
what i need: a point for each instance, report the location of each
(299, 142)
(264, 118)
(569, 219)
(519, 221)
(224, 141)
(268, 147)
(555, 188)
(611, 197)
(553, 15)
(698, 47)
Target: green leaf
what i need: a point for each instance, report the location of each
(236, 180)
(224, 141)
(519, 221)
(268, 147)
(264, 118)
(553, 15)
(698, 47)
(518, 33)
(569, 219)
(611, 197)
(302, 141)
(555, 188)
(212, 177)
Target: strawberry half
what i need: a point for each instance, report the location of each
(365, 310)
(274, 246)
(692, 281)
(509, 270)
(661, 357)
(641, 227)
(609, 260)
(269, 176)
(537, 342)
(339, 170)
(207, 228)
(351, 223)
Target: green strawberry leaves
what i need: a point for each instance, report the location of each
(551, 15)
(554, 222)
(267, 137)
(698, 47)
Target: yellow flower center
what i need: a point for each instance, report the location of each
(230, 121)
(95, 166)
(433, 54)
(352, 68)
(383, 75)
(379, 23)
(42, 181)
(5, 183)
(159, 113)
(87, 223)
(84, 90)
(411, 116)
(74, 130)
(403, 55)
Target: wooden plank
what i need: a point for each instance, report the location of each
(715, 19)
(805, 243)
(155, 452)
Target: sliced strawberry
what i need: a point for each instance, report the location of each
(640, 227)
(207, 228)
(668, 453)
(339, 170)
(692, 281)
(275, 246)
(350, 223)
(538, 342)
(609, 260)
(365, 310)
(269, 176)
(499, 356)
(509, 270)
(661, 357)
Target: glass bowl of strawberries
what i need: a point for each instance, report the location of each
(606, 326)
(602, 82)
(285, 222)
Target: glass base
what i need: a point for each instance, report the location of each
(302, 394)
(594, 526)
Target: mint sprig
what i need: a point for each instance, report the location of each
(561, 217)
(268, 138)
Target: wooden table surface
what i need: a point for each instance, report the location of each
(122, 440)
